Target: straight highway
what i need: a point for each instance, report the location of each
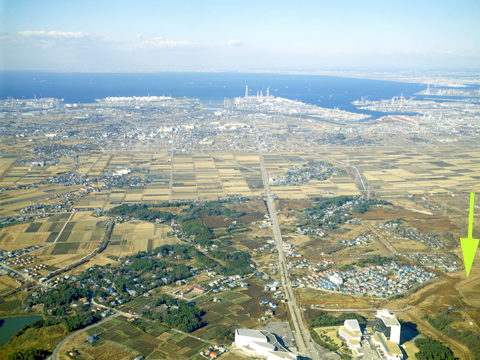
(302, 334)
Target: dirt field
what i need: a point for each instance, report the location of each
(106, 350)
(288, 205)
(216, 221)
(425, 223)
(255, 210)
(174, 210)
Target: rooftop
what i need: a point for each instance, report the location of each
(387, 317)
(352, 325)
(389, 347)
(251, 333)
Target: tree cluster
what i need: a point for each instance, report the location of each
(64, 294)
(28, 354)
(432, 350)
(176, 314)
(335, 204)
(442, 322)
(373, 260)
(210, 208)
(79, 321)
(330, 320)
(143, 212)
(199, 230)
(237, 262)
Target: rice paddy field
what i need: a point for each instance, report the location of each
(155, 341)
(81, 235)
(238, 308)
(208, 176)
(403, 171)
(13, 200)
(39, 232)
(134, 236)
(25, 174)
(391, 172)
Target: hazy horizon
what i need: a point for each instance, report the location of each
(248, 36)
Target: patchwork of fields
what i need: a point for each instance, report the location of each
(135, 236)
(237, 309)
(400, 171)
(82, 234)
(416, 170)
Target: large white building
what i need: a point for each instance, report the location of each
(388, 325)
(387, 335)
(262, 343)
(388, 349)
(336, 279)
(352, 334)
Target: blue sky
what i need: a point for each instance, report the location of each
(239, 35)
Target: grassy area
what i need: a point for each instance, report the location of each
(9, 305)
(45, 338)
(316, 294)
(329, 335)
(410, 349)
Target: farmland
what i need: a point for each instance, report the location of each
(211, 175)
(189, 207)
(415, 170)
(237, 309)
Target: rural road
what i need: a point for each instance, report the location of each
(369, 309)
(382, 238)
(54, 355)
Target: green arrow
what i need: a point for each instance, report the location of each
(469, 245)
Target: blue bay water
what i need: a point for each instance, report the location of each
(325, 91)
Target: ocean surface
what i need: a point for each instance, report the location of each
(325, 91)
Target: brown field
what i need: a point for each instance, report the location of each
(174, 210)
(7, 283)
(425, 223)
(134, 236)
(106, 350)
(216, 221)
(288, 205)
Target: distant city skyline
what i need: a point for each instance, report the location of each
(239, 36)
